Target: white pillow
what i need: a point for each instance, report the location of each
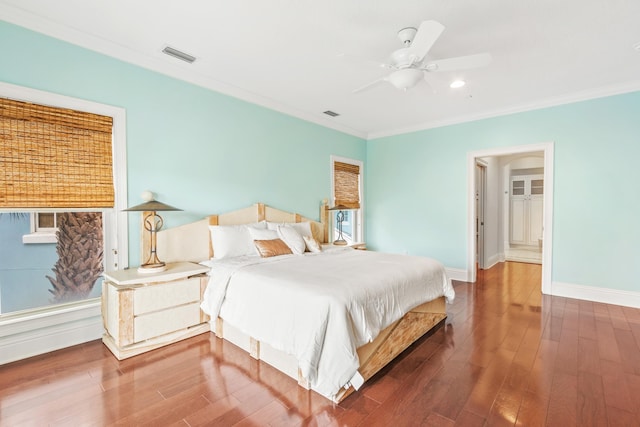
(273, 225)
(259, 234)
(303, 228)
(292, 238)
(233, 240)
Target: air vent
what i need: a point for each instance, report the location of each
(331, 113)
(178, 54)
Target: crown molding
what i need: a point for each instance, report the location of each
(586, 95)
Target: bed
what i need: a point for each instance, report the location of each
(331, 317)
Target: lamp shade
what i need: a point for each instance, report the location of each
(152, 205)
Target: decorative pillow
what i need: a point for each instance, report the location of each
(233, 240)
(312, 244)
(273, 247)
(292, 238)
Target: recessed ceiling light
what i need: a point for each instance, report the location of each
(457, 84)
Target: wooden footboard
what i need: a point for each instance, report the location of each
(396, 338)
(373, 356)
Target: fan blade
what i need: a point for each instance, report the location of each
(458, 63)
(370, 85)
(427, 35)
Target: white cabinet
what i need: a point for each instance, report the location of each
(144, 311)
(526, 209)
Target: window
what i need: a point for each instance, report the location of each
(43, 228)
(63, 167)
(346, 189)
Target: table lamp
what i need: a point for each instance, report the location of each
(152, 223)
(339, 218)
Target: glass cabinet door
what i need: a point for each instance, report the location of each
(518, 187)
(537, 186)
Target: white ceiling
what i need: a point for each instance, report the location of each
(285, 54)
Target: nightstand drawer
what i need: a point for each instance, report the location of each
(165, 295)
(162, 322)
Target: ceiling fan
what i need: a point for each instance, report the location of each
(409, 65)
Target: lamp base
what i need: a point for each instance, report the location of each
(340, 242)
(152, 268)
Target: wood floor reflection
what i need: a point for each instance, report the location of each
(506, 355)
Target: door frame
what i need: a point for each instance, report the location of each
(547, 221)
(480, 200)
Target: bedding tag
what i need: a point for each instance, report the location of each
(357, 380)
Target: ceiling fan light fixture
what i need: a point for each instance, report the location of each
(405, 78)
(457, 84)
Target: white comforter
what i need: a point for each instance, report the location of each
(321, 307)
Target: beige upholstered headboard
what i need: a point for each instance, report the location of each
(191, 242)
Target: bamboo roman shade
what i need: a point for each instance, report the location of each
(346, 185)
(54, 157)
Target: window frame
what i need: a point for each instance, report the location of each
(39, 234)
(30, 332)
(357, 215)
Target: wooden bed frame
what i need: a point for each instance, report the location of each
(191, 242)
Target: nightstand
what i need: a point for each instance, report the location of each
(144, 311)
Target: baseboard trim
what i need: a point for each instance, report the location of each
(595, 294)
(493, 260)
(40, 332)
(457, 274)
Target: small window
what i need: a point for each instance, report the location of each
(44, 226)
(347, 191)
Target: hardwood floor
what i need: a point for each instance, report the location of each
(506, 355)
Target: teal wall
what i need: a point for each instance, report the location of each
(198, 150)
(416, 188)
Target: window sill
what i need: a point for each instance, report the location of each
(39, 238)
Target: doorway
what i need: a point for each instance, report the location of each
(473, 241)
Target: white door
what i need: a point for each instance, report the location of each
(526, 209)
(518, 221)
(536, 208)
(535, 220)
